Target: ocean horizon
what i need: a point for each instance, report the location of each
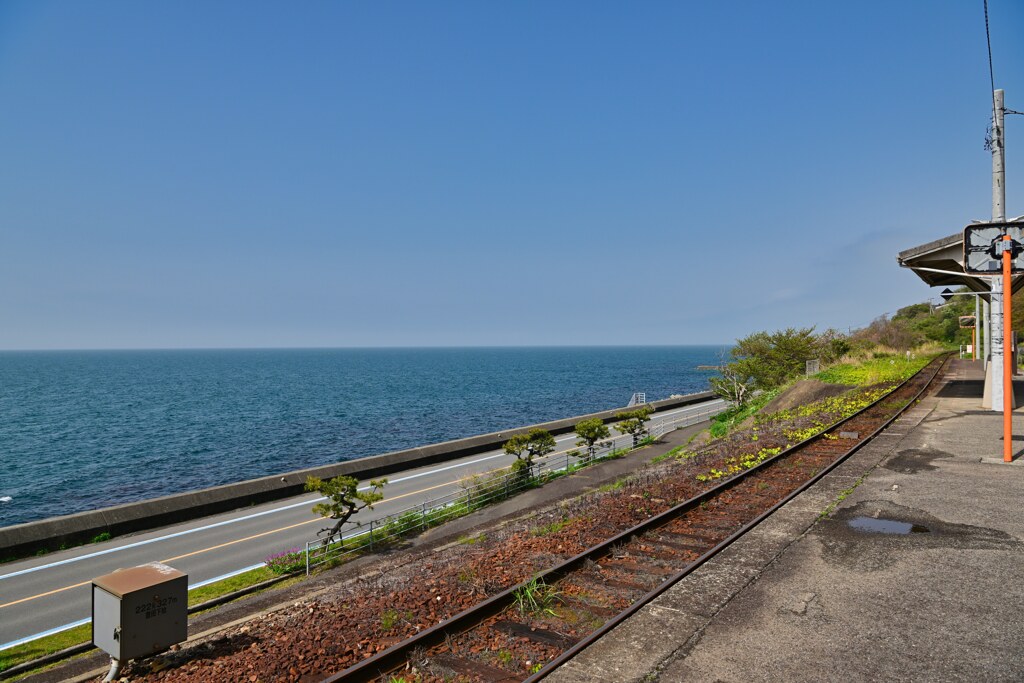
(85, 429)
(452, 347)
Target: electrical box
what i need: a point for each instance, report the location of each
(140, 611)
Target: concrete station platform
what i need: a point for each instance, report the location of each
(809, 596)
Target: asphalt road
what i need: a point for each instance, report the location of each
(46, 594)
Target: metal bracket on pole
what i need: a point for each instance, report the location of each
(1004, 245)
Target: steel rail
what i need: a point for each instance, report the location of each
(632, 609)
(387, 661)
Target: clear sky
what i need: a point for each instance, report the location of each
(237, 174)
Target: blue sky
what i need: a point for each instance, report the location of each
(196, 174)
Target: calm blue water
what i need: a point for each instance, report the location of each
(82, 430)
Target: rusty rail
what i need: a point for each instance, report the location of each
(395, 657)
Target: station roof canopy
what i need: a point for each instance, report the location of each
(940, 263)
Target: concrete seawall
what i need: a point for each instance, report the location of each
(50, 534)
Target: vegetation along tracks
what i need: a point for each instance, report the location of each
(527, 631)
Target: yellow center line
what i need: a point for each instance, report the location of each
(43, 595)
(217, 547)
(239, 540)
(414, 493)
(254, 536)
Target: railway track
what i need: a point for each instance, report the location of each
(527, 631)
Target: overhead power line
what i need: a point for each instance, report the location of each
(991, 71)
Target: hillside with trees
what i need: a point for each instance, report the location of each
(763, 362)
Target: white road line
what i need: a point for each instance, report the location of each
(186, 532)
(254, 515)
(215, 579)
(59, 629)
(66, 627)
(37, 636)
(138, 544)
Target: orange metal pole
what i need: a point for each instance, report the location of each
(1007, 357)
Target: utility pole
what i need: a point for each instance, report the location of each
(977, 329)
(998, 160)
(994, 373)
(1005, 375)
(986, 310)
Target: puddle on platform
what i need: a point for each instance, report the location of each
(873, 525)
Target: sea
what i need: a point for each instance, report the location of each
(81, 430)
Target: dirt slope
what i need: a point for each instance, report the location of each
(804, 391)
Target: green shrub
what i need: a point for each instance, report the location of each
(287, 561)
(882, 368)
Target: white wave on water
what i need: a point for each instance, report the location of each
(5, 499)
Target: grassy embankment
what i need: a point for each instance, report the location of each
(869, 378)
(861, 370)
(881, 367)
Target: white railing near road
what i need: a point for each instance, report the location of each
(485, 489)
(667, 425)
